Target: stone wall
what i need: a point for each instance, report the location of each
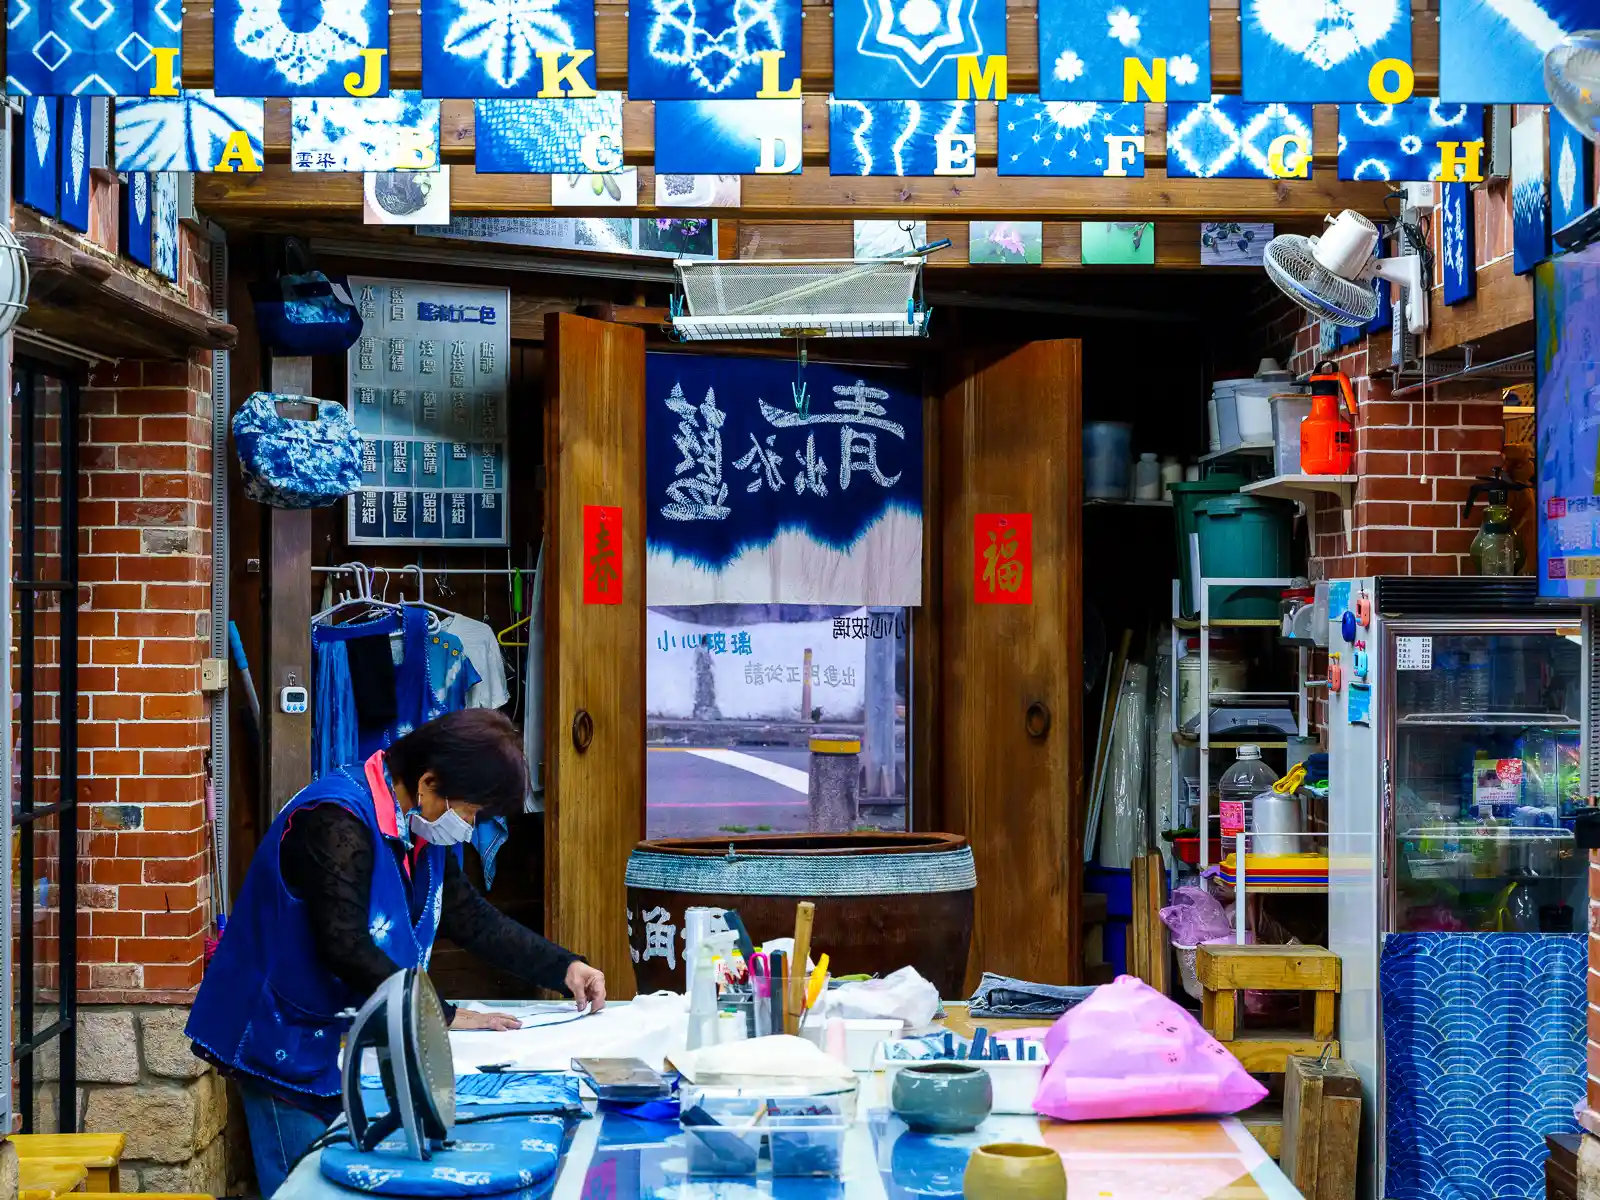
(138, 1076)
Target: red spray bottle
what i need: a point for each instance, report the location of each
(1327, 438)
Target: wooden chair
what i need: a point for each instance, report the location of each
(99, 1153)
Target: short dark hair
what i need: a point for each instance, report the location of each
(475, 754)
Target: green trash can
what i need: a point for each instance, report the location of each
(1242, 537)
(1187, 497)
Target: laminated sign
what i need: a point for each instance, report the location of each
(602, 554)
(1002, 554)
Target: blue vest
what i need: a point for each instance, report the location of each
(267, 1006)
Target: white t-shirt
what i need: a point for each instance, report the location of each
(483, 648)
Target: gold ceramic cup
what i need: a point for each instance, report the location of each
(1010, 1171)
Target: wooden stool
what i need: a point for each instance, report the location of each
(47, 1180)
(100, 1153)
(1224, 970)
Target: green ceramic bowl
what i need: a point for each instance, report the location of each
(942, 1097)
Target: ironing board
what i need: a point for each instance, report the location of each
(620, 1158)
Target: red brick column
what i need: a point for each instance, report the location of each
(145, 521)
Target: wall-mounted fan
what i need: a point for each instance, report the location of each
(1331, 276)
(404, 1022)
(1572, 77)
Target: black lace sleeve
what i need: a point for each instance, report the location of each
(327, 861)
(477, 926)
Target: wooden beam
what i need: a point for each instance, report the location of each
(287, 761)
(458, 143)
(1022, 46)
(815, 196)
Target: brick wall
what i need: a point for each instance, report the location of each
(144, 546)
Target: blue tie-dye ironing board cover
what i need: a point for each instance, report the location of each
(1484, 1055)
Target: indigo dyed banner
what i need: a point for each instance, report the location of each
(751, 500)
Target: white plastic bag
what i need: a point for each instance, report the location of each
(902, 996)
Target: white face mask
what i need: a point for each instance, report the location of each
(449, 830)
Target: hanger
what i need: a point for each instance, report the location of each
(422, 601)
(363, 596)
(509, 629)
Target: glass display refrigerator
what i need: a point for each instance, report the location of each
(1454, 739)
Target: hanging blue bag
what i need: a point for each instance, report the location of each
(307, 313)
(296, 464)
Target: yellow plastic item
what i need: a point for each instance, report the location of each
(46, 1180)
(99, 1153)
(1291, 782)
(1295, 864)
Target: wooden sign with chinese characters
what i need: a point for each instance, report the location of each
(1002, 554)
(602, 554)
(428, 391)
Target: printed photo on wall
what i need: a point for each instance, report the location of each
(1084, 48)
(902, 137)
(1119, 243)
(1010, 243)
(406, 197)
(697, 191)
(1530, 193)
(1292, 50)
(1456, 242)
(1234, 243)
(888, 239)
(688, 237)
(1070, 137)
(618, 189)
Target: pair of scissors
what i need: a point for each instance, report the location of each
(761, 975)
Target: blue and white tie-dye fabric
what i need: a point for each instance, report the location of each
(164, 224)
(729, 137)
(297, 47)
(549, 136)
(710, 49)
(1069, 137)
(190, 132)
(908, 49)
(516, 1157)
(1492, 51)
(1400, 142)
(296, 464)
(396, 132)
(1319, 52)
(896, 137)
(481, 48)
(1084, 47)
(1230, 139)
(73, 48)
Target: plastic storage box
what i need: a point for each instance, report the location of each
(726, 1130)
(1015, 1083)
(1287, 413)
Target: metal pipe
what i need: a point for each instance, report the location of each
(1467, 372)
(6, 479)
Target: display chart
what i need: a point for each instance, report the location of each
(428, 389)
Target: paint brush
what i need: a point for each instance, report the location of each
(794, 999)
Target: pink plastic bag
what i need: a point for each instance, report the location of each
(1128, 1051)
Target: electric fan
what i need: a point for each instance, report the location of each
(404, 1022)
(1572, 77)
(1331, 276)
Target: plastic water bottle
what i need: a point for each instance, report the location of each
(1472, 677)
(1240, 784)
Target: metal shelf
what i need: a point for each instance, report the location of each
(1240, 623)
(1293, 487)
(1497, 720)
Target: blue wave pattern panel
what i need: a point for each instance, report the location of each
(708, 49)
(296, 47)
(545, 137)
(72, 156)
(164, 224)
(1483, 1056)
(40, 176)
(1400, 142)
(1066, 137)
(894, 137)
(1530, 193)
(1492, 51)
(907, 49)
(136, 199)
(384, 133)
(732, 464)
(1571, 172)
(1229, 139)
(87, 47)
(1319, 50)
(490, 48)
(726, 137)
(1457, 243)
(1083, 46)
(183, 133)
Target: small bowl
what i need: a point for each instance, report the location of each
(942, 1097)
(1011, 1171)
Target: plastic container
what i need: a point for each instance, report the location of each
(1224, 394)
(1171, 472)
(806, 1144)
(724, 1128)
(1213, 430)
(1107, 459)
(1147, 478)
(1228, 674)
(1287, 413)
(1186, 500)
(1015, 1083)
(1470, 690)
(1186, 970)
(1242, 537)
(1239, 786)
(1244, 414)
